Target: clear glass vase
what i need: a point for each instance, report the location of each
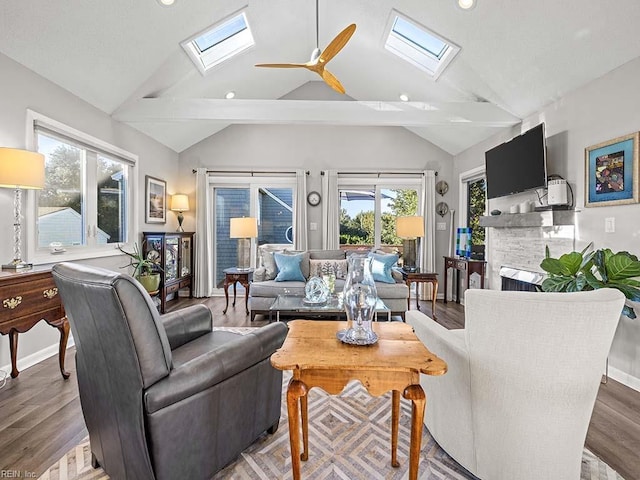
(359, 297)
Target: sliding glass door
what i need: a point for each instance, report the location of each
(270, 200)
(368, 214)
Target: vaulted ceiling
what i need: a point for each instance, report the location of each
(124, 57)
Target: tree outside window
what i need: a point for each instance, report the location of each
(476, 208)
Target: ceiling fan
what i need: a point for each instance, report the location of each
(319, 58)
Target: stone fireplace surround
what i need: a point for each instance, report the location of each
(524, 248)
(518, 241)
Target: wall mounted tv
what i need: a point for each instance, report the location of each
(517, 165)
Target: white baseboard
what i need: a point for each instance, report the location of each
(39, 356)
(624, 378)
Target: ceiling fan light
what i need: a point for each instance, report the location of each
(404, 97)
(166, 3)
(230, 95)
(466, 4)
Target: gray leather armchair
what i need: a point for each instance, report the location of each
(165, 397)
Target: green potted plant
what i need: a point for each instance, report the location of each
(590, 270)
(144, 270)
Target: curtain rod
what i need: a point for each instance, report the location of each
(252, 172)
(378, 173)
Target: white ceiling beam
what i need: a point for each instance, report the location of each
(405, 114)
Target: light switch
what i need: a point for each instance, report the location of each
(441, 226)
(610, 225)
(313, 226)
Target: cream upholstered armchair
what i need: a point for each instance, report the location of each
(522, 381)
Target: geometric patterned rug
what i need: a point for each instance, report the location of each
(349, 439)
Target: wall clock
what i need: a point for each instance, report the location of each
(442, 209)
(314, 199)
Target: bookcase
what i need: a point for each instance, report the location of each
(173, 253)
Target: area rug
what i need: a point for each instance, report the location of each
(349, 439)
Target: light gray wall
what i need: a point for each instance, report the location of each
(316, 148)
(602, 110)
(20, 89)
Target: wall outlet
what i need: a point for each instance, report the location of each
(610, 225)
(441, 226)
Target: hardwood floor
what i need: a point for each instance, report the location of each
(41, 416)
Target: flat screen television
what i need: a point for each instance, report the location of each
(517, 165)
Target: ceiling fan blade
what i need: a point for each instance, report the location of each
(282, 65)
(337, 43)
(331, 80)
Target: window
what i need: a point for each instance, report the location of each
(368, 214)
(85, 205)
(473, 200)
(418, 45)
(220, 42)
(476, 200)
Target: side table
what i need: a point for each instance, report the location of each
(419, 277)
(466, 267)
(232, 276)
(318, 359)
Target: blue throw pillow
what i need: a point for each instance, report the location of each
(288, 267)
(381, 266)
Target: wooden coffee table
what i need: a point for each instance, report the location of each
(318, 359)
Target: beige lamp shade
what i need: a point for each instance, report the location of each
(410, 227)
(179, 202)
(21, 169)
(245, 227)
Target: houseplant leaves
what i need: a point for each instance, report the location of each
(578, 271)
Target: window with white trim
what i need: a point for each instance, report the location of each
(418, 45)
(220, 42)
(87, 205)
(369, 208)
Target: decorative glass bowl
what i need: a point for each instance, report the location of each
(316, 291)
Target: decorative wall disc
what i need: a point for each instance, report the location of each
(442, 209)
(442, 187)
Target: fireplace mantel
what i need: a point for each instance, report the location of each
(549, 218)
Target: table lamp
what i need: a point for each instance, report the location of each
(20, 169)
(180, 203)
(410, 229)
(244, 229)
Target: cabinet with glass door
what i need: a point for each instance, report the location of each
(173, 252)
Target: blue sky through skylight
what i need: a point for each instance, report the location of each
(419, 37)
(221, 33)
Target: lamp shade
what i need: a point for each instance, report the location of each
(245, 227)
(410, 227)
(21, 169)
(179, 202)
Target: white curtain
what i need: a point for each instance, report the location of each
(427, 243)
(204, 243)
(300, 220)
(330, 211)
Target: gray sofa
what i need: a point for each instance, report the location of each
(265, 288)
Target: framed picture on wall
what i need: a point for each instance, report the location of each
(612, 172)
(463, 242)
(155, 200)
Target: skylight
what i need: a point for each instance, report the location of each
(418, 45)
(220, 42)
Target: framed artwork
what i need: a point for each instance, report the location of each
(463, 242)
(155, 200)
(611, 170)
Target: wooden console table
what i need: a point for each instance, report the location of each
(28, 297)
(465, 266)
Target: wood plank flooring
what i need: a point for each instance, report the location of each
(41, 419)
